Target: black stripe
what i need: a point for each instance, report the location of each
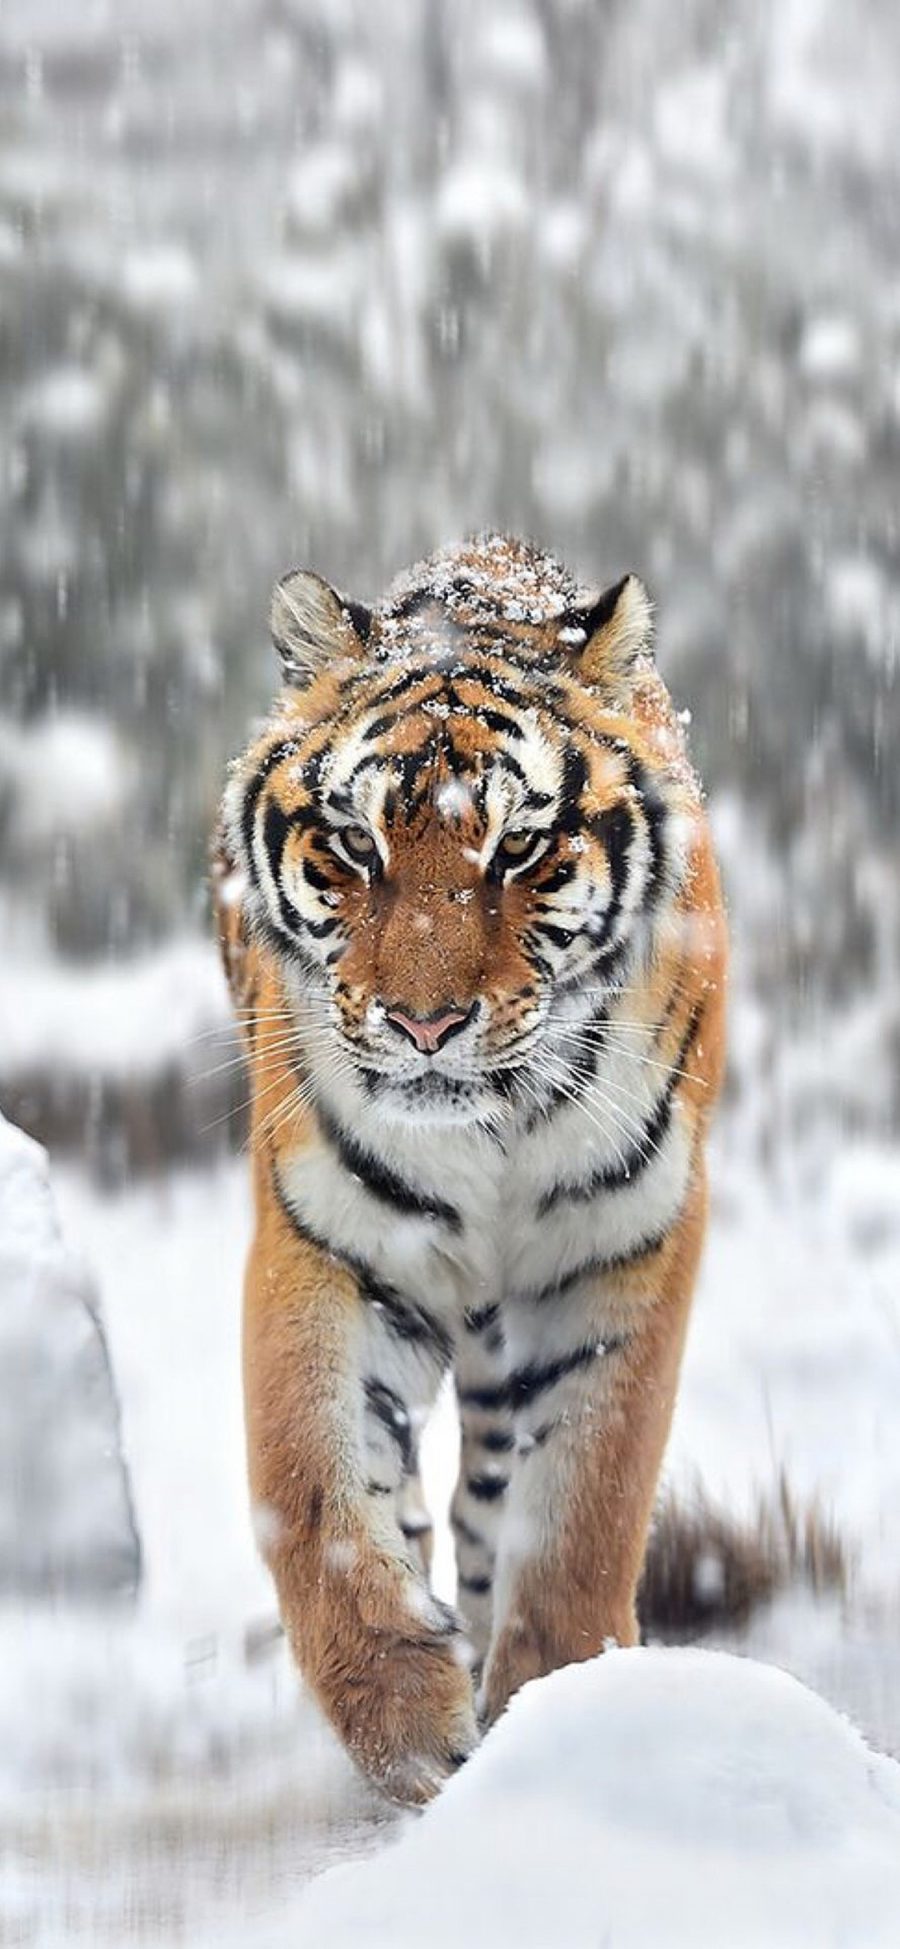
(391, 688)
(476, 1586)
(611, 958)
(380, 691)
(276, 827)
(383, 722)
(479, 1318)
(562, 876)
(497, 1395)
(250, 1022)
(487, 1488)
(500, 649)
(539, 961)
(558, 936)
(388, 1408)
(655, 813)
(380, 1180)
(267, 930)
(479, 670)
(537, 1377)
(275, 832)
(285, 748)
(526, 1383)
(409, 605)
(615, 829)
(360, 616)
(590, 620)
(508, 762)
(404, 1317)
(314, 876)
(495, 720)
(497, 1441)
(614, 1177)
(570, 814)
(675, 995)
(599, 1263)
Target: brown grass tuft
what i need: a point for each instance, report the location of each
(706, 1570)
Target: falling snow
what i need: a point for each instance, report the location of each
(329, 285)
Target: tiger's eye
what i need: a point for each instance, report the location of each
(517, 844)
(357, 842)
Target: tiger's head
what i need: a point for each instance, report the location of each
(461, 825)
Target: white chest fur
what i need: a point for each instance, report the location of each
(457, 1217)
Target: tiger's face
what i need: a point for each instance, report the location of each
(455, 848)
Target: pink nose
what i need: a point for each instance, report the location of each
(429, 1032)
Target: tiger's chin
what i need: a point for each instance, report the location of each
(437, 1099)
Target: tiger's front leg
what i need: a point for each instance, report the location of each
(592, 1379)
(326, 1443)
(487, 1442)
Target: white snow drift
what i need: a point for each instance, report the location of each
(65, 1518)
(677, 1797)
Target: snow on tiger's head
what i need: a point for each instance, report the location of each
(468, 811)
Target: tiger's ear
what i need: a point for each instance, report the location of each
(616, 630)
(312, 625)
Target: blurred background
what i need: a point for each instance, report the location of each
(295, 282)
(320, 282)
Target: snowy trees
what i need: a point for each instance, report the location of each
(333, 284)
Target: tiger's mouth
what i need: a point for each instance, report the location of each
(431, 1095)
(464, 1082)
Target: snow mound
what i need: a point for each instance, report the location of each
(649, 1796)
(66, 1526)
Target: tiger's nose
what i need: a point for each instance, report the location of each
(430, 1032)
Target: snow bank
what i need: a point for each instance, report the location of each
(677, 1796)
(793, 1354)
(66, 1525)
(151, 1790)
(131, 1064)
(126, 1019)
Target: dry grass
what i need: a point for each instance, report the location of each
(705, 1570)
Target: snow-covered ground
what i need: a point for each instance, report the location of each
(161, 1769)
(331, 283)
(162, 1777)
(680, 1797)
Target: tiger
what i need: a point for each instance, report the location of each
(474, 933)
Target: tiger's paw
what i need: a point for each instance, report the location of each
(396, 1685)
